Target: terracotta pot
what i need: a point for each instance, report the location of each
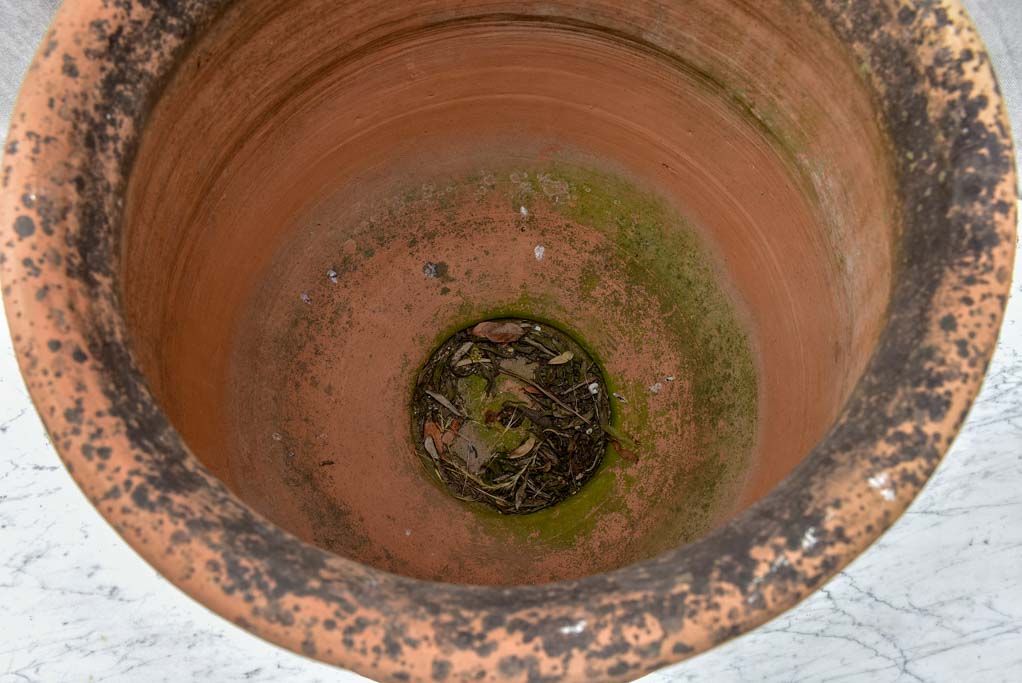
(235, 231)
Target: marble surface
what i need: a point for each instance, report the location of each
(938, 598)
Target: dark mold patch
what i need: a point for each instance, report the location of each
(24, 226)
(70, 68)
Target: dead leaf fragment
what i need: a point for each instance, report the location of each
(499, 333)
(524, 449)
(630, 456)
(565, 357)
(430, 448)
(442, 400)
(431, 431)
(462, 351)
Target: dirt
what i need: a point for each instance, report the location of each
(511, 414)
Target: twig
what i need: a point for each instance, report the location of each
(546, 393)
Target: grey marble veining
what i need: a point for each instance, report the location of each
(938, 598)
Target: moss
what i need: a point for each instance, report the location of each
(663, 255)
(478, 402)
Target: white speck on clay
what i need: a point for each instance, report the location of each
(408, 532)
(594, 388)
(655, 389)
(306, 298)
(671, 378)
(574, 629)
(332, 274)
(809, 538)
(524, 212)
(277, 436)
(880, 483)
(620, 398)
(540, 252)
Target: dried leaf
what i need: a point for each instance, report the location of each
(475, 461)
(565, 357)
(499, 333)
(327, 463)
(524, 449)
(462, 351)
(442, 400)
(520, 496)
(532, 390)
(432, 432)
(430, 448)
(449, 437)
(630, 456)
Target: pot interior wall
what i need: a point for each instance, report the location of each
(706, 179)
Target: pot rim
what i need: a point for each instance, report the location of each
(69, 152)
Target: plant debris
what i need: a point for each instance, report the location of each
(513, 415)
(501, 333)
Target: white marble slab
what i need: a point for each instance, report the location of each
(938, 598)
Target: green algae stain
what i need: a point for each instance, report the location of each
(663, 255)
(478, 402)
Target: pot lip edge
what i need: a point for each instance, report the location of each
(20, 302)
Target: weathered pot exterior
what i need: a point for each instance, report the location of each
(71, 147)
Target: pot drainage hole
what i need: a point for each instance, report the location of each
(513, 414)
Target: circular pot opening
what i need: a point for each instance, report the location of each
(322, 196)
(514, 415)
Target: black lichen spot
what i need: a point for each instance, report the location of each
(31, 267)
(54, 345)
(70, 69)
(24, 226)
(906, 15)
(140, 497)
(74, 415)
(78, 355)
(103, 452)
(440, 670)
(620, 669)
(329, 624)
(309, 647)
(948, 323)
